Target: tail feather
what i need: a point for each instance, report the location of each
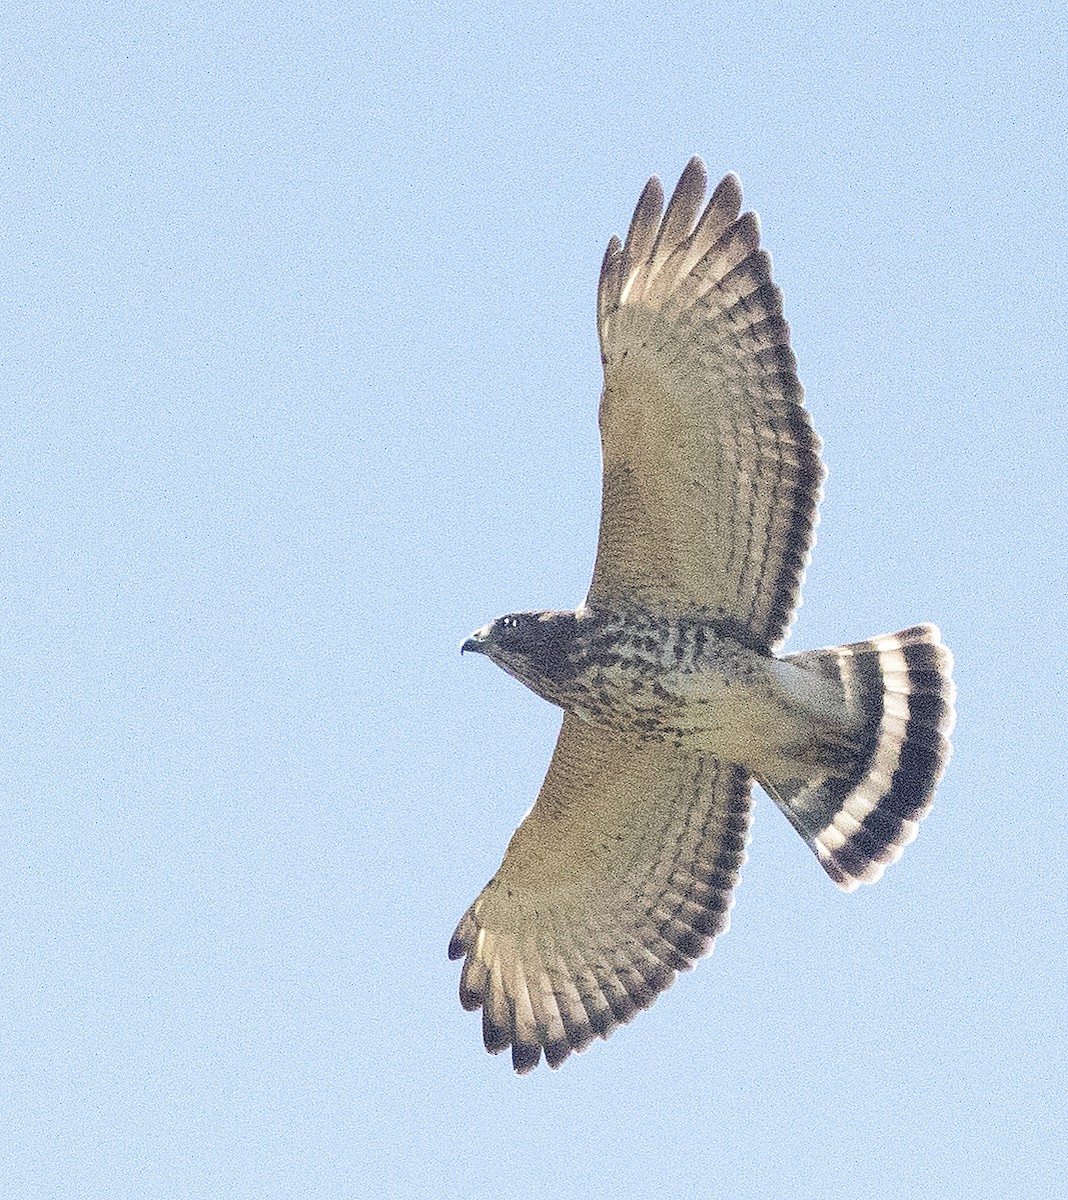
(860, 815)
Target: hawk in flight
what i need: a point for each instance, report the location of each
(675, 700)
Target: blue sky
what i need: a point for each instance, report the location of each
(299, 387)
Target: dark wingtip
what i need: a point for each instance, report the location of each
(557, 1052)
(495, 1037)
(525, 1057)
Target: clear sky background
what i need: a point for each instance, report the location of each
(299, 379)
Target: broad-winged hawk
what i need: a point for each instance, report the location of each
(674, 698)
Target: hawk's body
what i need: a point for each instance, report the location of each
(681, 681)
(674, 700)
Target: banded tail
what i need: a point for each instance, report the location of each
(860, 818)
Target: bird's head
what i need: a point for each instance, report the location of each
(536, 647)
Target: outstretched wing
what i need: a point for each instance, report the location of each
(711, 467)
(619, 876)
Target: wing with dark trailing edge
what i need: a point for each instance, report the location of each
(712, 472)
(619, 876)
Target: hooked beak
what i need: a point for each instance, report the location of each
(476, 643)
